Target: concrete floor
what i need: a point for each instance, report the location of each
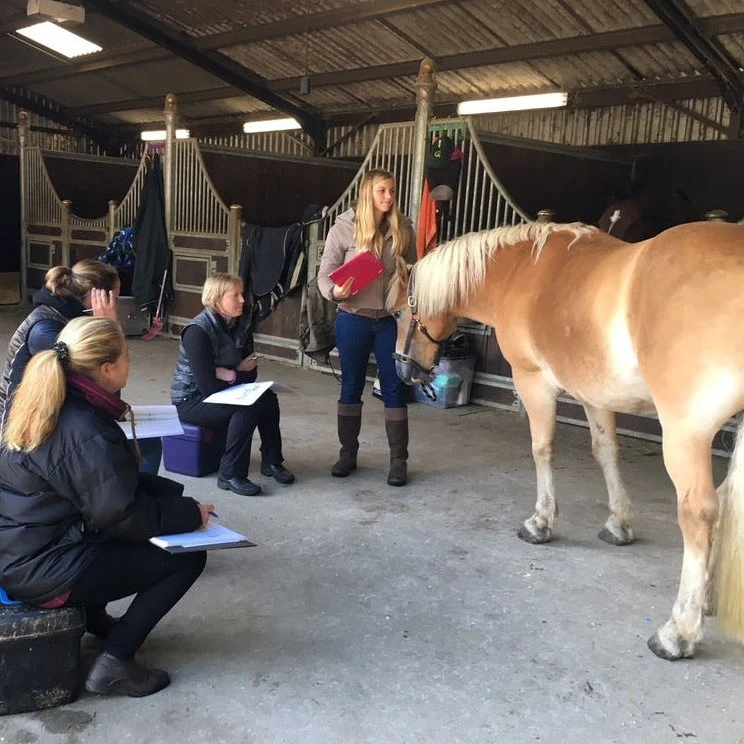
(374, 614)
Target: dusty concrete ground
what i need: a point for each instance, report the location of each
(374, 614)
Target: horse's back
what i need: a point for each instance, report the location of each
(637, 327)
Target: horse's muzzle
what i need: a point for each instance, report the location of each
(410, 371)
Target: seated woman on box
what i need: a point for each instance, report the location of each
(216, 351)
(76, 515)
(66, 294)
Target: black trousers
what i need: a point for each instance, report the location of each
(157, 578)
(241, 422)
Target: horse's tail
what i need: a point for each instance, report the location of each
(729, 568)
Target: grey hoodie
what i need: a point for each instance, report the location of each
(340, 248)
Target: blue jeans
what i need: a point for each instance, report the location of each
(356, 336)
(151, 450)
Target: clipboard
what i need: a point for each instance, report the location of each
(365, 267)
(212, 537)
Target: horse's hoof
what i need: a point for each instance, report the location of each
(532, 539)
(624, 538)
(682, 650)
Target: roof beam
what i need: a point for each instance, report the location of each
(521, 53)
(301, 24)
(216, 64)
(688, 29)
(13, 23)
(582, 99)
(54, 111)
(133, 104)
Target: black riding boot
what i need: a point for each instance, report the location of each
(396, 426)
(349, 425)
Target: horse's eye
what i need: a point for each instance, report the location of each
(397, 314)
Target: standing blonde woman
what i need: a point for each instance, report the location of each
(364, 321)
(75, 514)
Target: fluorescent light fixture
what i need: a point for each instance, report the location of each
(59, 39)
(158, 135)
(271, 125)
(512, 103)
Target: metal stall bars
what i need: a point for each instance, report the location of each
(51, 233)
(42, 234)
(481, 201)
(204, 231)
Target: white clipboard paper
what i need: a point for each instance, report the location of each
(247, 393)
(211, 537)
(153, 421)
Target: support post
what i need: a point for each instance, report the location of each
(233, 237)
(425, 86)
(170, 112)
(64, 259)
(23, 126)
(112, 205)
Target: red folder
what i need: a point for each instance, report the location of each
(365, 267)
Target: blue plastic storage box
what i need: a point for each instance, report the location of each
(196, 452)
(453, 378)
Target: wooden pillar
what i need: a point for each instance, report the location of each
(233, 237)
(64, 259)
(546, 215)
(170, 112)
(425, 86)
(23, 126)
(112, 205)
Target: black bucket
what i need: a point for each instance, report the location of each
(39, 657)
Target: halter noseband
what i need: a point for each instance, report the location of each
(416, 325)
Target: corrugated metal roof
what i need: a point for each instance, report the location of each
(488, 47)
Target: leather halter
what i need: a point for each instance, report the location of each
(416, 325)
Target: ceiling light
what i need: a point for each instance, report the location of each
(270, 125)
(158, 135)
(512, 103)
(59, 39)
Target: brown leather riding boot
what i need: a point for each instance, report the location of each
(349, 425)
(396, 426)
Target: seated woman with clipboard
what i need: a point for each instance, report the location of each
(75, 513)
(364, 262)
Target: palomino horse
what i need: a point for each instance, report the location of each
(656, 326)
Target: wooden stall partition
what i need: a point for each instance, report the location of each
(272, 192)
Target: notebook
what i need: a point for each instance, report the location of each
(211, 537)
(365, 267)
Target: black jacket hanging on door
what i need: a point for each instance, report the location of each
(151, 245)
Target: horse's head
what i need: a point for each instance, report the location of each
(419, 339)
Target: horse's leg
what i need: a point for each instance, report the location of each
(617, 529)
(688, 461)
(540, 402)
(709, 604)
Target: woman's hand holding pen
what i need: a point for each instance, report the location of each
(207, 511)
(248, 364)
(344, 291)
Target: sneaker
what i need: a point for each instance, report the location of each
(242, 486)
(111, 676)
(279, 473)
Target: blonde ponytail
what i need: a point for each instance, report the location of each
(84, 345)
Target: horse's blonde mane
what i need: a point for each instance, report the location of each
(448, 276)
